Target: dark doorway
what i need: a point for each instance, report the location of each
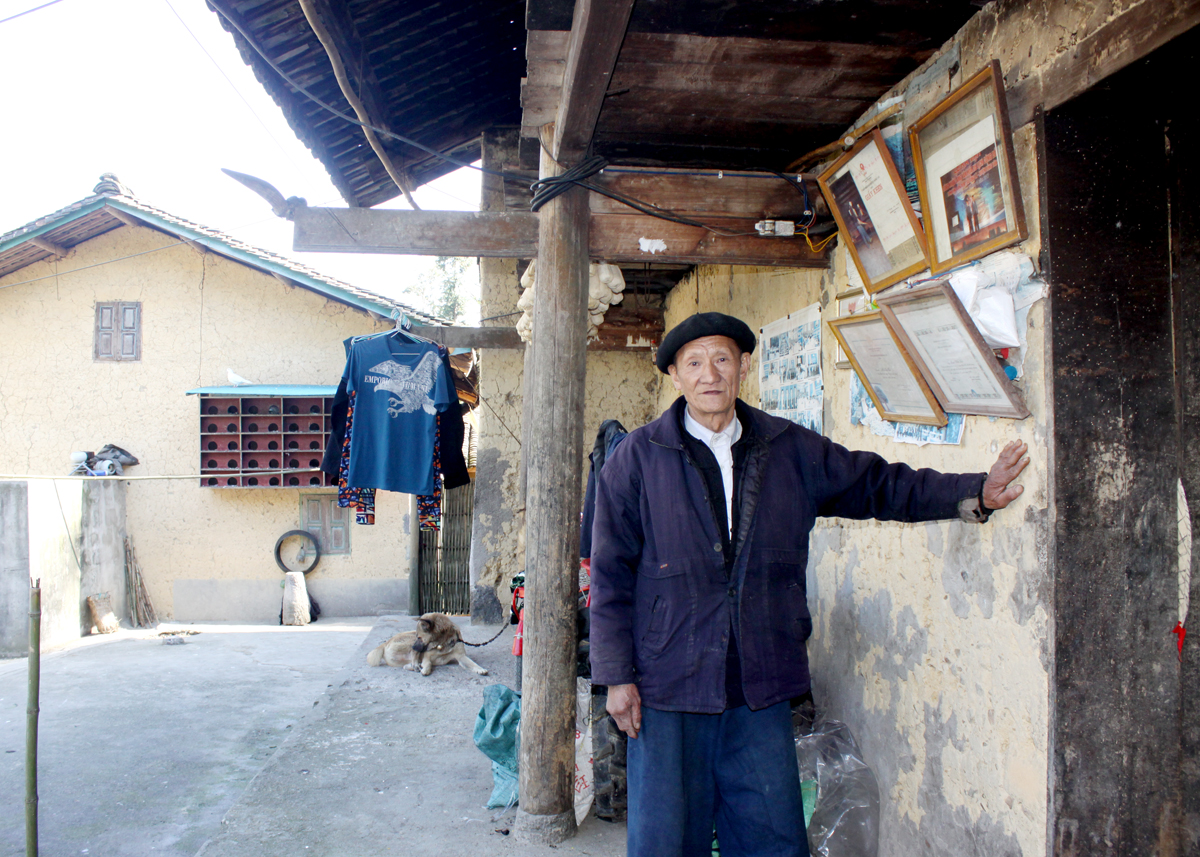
(1119, 197)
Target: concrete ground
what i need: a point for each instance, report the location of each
(260, 740)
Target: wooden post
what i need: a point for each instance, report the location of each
(555, 456)
(31, 719)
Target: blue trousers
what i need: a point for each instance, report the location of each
(736, 769)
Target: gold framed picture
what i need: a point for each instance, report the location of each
(867, 198)
(892, 380)
(948, 350)
(966, 173)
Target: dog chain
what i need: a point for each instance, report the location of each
(477, 645)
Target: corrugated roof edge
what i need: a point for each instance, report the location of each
(219, 242)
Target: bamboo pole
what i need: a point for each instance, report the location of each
(31, 722)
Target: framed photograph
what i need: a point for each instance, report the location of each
(848, 302)
(966, 173)
(948, 350)
(869, 203)
(892, 380)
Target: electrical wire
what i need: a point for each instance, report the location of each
(27, 11)
(97, 265)
(503, 315)
(548, 188)
(233, 86)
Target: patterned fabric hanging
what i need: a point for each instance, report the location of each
(362, 500)
(429, 506)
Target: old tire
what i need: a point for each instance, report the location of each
(313, 547)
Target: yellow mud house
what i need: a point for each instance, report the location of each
(113, 312)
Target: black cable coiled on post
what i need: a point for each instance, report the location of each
(546, 189)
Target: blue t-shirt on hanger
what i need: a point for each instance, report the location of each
(399, 388)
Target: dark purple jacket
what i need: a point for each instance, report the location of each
(661, 599)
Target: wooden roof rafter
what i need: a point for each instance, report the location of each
(439, 73)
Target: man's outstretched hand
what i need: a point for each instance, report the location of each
(625, 705)
(998, 491)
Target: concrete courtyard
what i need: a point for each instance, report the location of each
(259, 740)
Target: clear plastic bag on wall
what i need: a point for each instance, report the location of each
(845, 818)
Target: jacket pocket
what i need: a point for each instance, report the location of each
(780, 601)
(665, 592)
(652, 638)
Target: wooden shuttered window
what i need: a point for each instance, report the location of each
(327, 521)
(118, 331)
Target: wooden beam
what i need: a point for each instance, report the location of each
(555, 387)
(127, 219)
(1129, 36)
(707, 193)
(511, 235)
(597, 31)
(678, 48)
(49, 246)
(619, 238)
(471, 337)
(614, 237)
(759, 80)
(623, 329)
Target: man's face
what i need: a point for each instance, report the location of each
(709, 372)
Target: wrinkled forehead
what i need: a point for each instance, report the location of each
(708, 346)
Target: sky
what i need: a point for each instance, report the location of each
(156, 92)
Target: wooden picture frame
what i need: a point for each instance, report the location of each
(850, 301)
(867, 198)
(891, 378)
(949, 351)
(966, 173)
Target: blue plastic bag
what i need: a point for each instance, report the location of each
(496, 731)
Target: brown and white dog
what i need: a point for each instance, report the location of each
(436, 641)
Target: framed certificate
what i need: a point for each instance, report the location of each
(892, 380)
(869, 203)
(948, 350)
(966, 173)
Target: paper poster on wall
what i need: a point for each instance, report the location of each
(790, 384)
(863, 413)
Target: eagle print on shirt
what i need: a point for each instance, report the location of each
(409, 388)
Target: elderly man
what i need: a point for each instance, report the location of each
(699, 612)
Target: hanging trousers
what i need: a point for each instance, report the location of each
(736, 770)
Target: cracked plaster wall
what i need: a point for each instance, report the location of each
(205, 553)
(932, 641)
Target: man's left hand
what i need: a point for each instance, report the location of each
(998, 491)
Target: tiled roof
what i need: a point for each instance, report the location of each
(112, 204)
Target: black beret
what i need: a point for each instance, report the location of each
(703, 324)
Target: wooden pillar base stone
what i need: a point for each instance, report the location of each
(544, 829)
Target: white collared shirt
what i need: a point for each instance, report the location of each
(721, 443)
